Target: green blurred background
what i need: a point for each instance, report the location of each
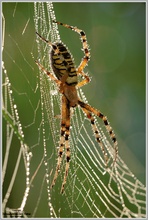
(116, 35)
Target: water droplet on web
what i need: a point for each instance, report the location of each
(53, 92)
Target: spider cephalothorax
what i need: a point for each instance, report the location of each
(67, 79)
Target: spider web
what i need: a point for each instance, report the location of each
(31, 132)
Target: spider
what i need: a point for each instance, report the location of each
(67, 80)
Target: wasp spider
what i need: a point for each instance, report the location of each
(67, 80)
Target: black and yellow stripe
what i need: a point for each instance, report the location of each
(63, 65)
(83, 38)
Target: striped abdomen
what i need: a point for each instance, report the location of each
(63, 65)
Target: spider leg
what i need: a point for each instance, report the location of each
(58, 82)
(65, 124)
(67, 147)
(60, 153)
(43, 39)
(62, 140)
(49, 43)
(84, 81)
(82, 34)
(96, 132)
(106, 123)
